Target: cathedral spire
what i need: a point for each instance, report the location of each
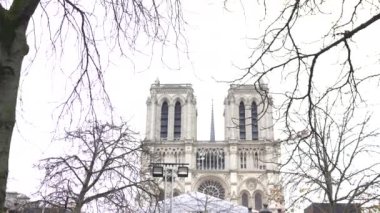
(212, 133)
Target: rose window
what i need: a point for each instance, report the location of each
(213, 188)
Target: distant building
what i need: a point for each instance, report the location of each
(241, 168)
(19, 203)
(14, 201)
(326, 208)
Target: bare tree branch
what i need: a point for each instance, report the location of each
(104, 169)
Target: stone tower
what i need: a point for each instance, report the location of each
(248, 114)
(238, 168)
(171, 113)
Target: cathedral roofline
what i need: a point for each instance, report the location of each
(217, 142)
(261, 86)
(171, 86)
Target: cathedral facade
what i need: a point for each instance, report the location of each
(242, 168)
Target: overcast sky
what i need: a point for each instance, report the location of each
(217, 46)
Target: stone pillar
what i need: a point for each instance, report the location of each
(226, 118)
(234, 121)
(189, 159)
(184, 127)
(148, 125)
(191, 118)
(233, 167)
(233, 157)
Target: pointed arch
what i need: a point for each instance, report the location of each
(256, 161)
(177, 120)
(164, 120)
(244, 199)
(242, 120)
(255, 129)
(243, 160)
(258, 201)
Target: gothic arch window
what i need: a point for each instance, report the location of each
(258, 201)
(243, 160)
(212, 188)
(255, 129)
(177, 120)
(242, 120)
(256, 160)
(244, 199)
(164, 120)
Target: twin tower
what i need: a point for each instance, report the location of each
(238, 168)
(172, 114)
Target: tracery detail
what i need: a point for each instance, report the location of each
(251, 158)
(255, 128)
(213, 188)
(210, 159)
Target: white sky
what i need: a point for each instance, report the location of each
(212, 55)
(217, 45)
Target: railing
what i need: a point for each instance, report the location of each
(213, 156)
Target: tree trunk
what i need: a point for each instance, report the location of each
(77, 208)
(13, 48)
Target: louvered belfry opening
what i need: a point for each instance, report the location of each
(177, 121)
(164, 121)
(242, 121)
(255, 128)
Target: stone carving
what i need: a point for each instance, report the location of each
(251, 184)
(216, 180)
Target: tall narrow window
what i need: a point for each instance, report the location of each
(243, 160)
(177, 120)
(164, 121)
(255, 129)
(258, 201)
(242, 120)
(244, 199)
(256, 161)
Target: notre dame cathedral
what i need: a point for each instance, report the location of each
(241, 168)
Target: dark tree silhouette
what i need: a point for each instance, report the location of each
(123, 22)
(101, 172)
(316, 53)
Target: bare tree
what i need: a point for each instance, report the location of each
(123, 22)
(337, 162)
(100, 173)
(315, 53)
